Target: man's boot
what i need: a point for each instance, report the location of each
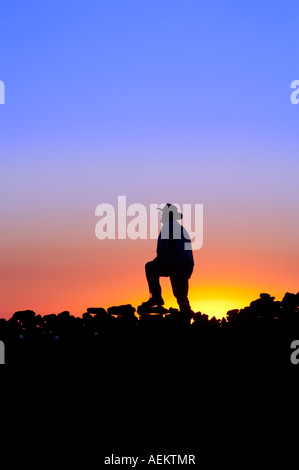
(153, 302)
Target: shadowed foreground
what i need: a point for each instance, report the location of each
(116, 382)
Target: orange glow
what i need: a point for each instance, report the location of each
(74, 277)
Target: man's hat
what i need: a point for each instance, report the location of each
(171, 208)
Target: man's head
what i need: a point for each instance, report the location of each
(169, 213)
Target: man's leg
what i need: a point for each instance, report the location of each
(179, 281)
(153, 270)
(180, 288)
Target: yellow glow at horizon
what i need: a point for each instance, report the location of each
(214, 300)
(218, 300)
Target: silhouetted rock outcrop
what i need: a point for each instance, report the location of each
(122, 311)
(98, 327)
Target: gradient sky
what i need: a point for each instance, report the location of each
(186, 101)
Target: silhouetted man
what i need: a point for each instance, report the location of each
(172, 260)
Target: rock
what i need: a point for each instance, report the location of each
(99, 311)
(121, 310)
(143, 309)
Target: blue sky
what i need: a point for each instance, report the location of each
(101, 89)
(160, 100)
